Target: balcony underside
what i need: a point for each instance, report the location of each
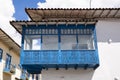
(9, 71)
(35, 61)
(36, 68)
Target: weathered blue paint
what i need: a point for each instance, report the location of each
(22, 45)
(50, 58)
(66, 57)
(96, 46)
(33, 30)
(36, 60)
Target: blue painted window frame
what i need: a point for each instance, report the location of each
(8, 61)
(1, 54)
(33, 30)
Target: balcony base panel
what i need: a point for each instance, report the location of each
(36, 68)
(8, 71)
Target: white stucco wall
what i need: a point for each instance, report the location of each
(109, 56)
(109, 53)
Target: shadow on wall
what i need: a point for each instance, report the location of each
(70, 74)
(108, 31)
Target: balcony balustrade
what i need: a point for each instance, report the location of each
(39, 59)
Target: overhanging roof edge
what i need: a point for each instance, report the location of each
(14, 27)
(55, 13)
(72, 9)
(28, 14)
(18, 24)
(10, 38)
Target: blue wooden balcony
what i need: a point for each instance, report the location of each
(70, 46)
(36, 60)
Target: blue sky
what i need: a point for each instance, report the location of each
(20, 6)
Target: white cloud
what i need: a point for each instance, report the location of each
(79, 3)
(6, 14)
(106, 3)
(64, 4)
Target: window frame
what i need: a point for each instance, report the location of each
(1, 54)
(8, 62)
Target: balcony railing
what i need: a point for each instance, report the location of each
(36, 60)
(60, 57)
(10, 69)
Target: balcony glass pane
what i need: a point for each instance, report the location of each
(32, 42)
(49, 42)
(68, 42)
(85, 42)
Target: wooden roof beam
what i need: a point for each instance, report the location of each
(101, 13)
(71, 13)
(93, 13)
(116, 13)
(108, 13)
(86, 13)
